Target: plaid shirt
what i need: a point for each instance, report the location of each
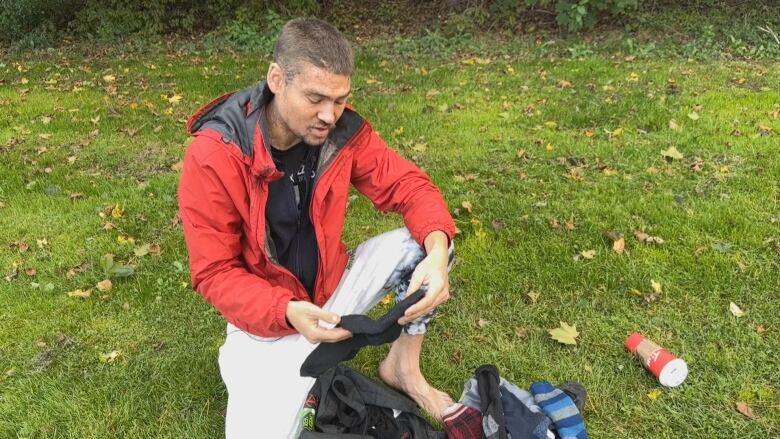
(462, 422)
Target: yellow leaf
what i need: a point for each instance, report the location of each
(633, 77)
(565, 334)
(736, 310)
(587, 254)
(79, 293)
(175, 99)
(387, 299)
(467, 205)
(109, 78)
(117, 211)
(619, 246)
(693, 115)
(655, 394)
(551, 124)
(672, 153)
(656, 286)
(104, 285)
(673, 125)
(109, 357)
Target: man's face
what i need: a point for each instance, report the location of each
(311, 102)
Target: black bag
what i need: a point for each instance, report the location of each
(348, 402)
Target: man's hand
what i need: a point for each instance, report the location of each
(431, 271)
(305, 317)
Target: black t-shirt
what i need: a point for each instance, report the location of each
(287, 211)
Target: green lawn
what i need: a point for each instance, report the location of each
(538, 157)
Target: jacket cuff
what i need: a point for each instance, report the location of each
(280, 313)
(420, 234)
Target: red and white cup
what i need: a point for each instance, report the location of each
(668, 369)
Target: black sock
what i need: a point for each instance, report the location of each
(576, 392)
(365, 331)
(493, 419)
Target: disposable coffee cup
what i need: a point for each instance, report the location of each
(669, 370)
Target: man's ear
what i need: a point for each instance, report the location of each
(275, 78)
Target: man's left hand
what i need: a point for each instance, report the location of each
(432, 272)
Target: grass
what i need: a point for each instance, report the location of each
(82, 131)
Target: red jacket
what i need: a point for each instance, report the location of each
(222, 197)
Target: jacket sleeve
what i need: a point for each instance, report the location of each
(394, 184)
(210, 187)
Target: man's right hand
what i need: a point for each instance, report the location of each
(305, 317)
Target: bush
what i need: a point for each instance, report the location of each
(110, 19)
(579, 14)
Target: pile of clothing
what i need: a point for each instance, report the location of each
(346, 404)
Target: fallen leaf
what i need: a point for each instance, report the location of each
(142, 250)
(174, 99)
(79, 293)
(672, 153)
(654, 394)
(585, 254)
(520, 153)
(387, 299)
(104, 285)
(155, 250)
(109, 78)
(736, 310)
(178, 166)
(656, 286)
(647, 239)
(564, 83)
(693, 115)
(565, 334)
(533, 296)
(482, 323)
(673, 125)
(743, 408)
(521, 332)
(109, 357)
(498, 225)
(619, 246)
(467, 205)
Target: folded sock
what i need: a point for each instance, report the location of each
(462, 422)
(493, 420)
(561, 409)
(365, 331)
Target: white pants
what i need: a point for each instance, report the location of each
(265, 390)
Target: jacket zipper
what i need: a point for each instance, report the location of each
(322, 167)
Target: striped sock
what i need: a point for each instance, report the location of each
(561, 409)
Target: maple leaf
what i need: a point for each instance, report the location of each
(655, 394)
(565, 334)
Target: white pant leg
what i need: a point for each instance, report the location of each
(265, 389)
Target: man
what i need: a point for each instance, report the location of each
(263, 198)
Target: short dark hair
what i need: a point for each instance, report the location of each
(316, 42)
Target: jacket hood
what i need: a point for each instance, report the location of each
(233, 115)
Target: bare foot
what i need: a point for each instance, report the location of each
(431, 400)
